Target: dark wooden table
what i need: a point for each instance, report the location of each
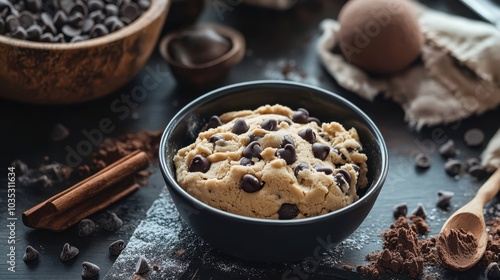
(275, 41)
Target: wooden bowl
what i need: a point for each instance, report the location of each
(205, 75)
(64, 73)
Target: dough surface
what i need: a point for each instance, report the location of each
(290, 187)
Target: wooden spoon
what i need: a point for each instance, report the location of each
(469, 218)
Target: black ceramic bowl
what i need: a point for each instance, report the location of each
(272, 240)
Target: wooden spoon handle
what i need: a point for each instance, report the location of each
(490, 188)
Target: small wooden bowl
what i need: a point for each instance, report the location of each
(205, 75)
(64, 73)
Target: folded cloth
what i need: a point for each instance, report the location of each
(273, 4)
(458, 75)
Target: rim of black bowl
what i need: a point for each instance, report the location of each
(156, 8)
(219, 92)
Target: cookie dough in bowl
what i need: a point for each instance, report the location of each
(273, 163)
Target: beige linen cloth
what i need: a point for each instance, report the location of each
(458, 75)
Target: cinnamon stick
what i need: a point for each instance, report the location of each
(88, 196)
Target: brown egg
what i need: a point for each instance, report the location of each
(380, 36)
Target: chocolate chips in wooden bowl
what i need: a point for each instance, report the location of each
(66, 21)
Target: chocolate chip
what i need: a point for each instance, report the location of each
(30, 254)
(2, 26)
(288, 211)
(81, 8)
(420, 211)
(78, 38)
(48, 23)
(313, 119)
(253, 137)
(308, 135)
(116, 247)
(453, 167)
(60, 19)
(113, 223)
(253, 150)
(111, 10)
(444, 198)
(213, 122)
(144, 4)
(34, 32)
(110, 21)
(288, 121)
(95, 5)
(86, 227)
(301, 116)
(325, 169)
(300, 167)
(97, 16)
(246, 161)
(12, 23)
(70, 31)
(130, 11)
(47, 37)
(470, 162)
(20, 33)
(33, 5)
(116, 25)
(87, 25)
(400, 210)
(240, 126)
(216, 137)
(199, 163)
(68, 252)
(448, 149)
(89, 270)
(422, 161)
(270, 125)
(59, 38)
(287, 140)
(76, 19)
(346, 175)
(250, 183)
(142, 266)
(474, 137)
(341, 181)
(287, 153)
(26, 19)
(320, 151)
(493, 271)
(477, 171)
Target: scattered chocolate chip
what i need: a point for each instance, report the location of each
(420, 211)
(422, 161)
(325, 169)
(320, 151)
(300, 167)
(240, 126)
(113, 223)
(89, 270)
(470, 162)
(288, 211)
(287, 140)
(116, 247)
(199, 163)
(444, 198)
(142, 266)
(448, 149)
(308, 135)
(346, 175)
(59, 132)
(474, 137)
(250, 183)
(453, 167)
(246, 161)
(216, 137)
(301, 116)
(253, 150)
(30, 254)
(86, 227)
(493, 271)
(287, 153)
(477, 171)
(400, 210)
(269, 125)
(68, 252)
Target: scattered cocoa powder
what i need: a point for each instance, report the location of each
(492, 253)
(456, 247)
(402, 251)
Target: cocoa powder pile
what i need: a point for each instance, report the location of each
(402, 252)
(456, 247)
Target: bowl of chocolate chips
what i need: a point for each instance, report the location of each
(272, 170)
(72, 51)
